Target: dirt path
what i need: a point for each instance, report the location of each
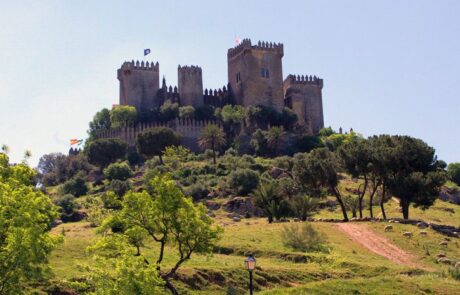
(377, 244)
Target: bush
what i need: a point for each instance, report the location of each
(75, 186)
(119, 171)
(151, 142)
(454, 172)
(111, 200)
(197, 191)
(243, 181)
(67, 205)
(303, 237)
(454, 272)
(119, 187)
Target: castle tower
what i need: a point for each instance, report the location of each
(139, 83)
(190, 84)
(303, 95)
(255, 74)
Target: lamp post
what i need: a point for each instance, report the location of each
(250, 263)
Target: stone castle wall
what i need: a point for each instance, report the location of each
(189, 129)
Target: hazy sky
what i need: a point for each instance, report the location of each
(388, 66)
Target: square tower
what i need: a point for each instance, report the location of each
(139, 84)
(190, 82)
(255, 74)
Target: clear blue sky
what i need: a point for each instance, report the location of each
(388, 66)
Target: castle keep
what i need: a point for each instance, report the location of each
(255, 77)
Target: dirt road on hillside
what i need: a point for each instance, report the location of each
(361, 234)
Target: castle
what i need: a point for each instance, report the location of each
(255, 78)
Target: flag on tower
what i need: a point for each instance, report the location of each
(237, 41)
(75, 141)
(146, 51)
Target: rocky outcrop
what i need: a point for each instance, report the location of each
(242, 206)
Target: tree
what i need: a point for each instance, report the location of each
(269, 198)
(56, 168)
(259, 143)
(303, 206)
(453, 171)
(123, 116)
(243, 181)
(325, 132)
(169, 111)
(212, 138)
(232, 117)
(102, 152)
(288, 118)
(356, 158)
(306, 143)
(316, 170)
(352, 203)
(166, 216)
(119, 171)
(101, 121)
(416, 176)
(275, 137)
(75, 186)
(26, 215)
(151, 142)
(186, 112)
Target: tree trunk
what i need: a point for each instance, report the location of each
(214, 156)
(270, 218)
(405, 208)
(354, 213)
(374, 188)
(342, 205)
(161, 159)
(361, 197)
(171, 287)
(382, 201)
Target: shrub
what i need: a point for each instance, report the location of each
(243, 181)
(197, 191)
(303, 237)
(454, 272)
(151, 142)
(75, 186)
(119, 171)
(119, 187)
(68, 206)
(186, 112)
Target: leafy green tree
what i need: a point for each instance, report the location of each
(151, 142)
(186, 112)
(166, 217)
(334, 141)
(357, 160)
(123, 116)
(169, 111)
(119, 171)
(102, 152)
(453, 171)
(101, 121)
(67, 205)
(275, 137)
(243, 181)
(212, 138)
(317, 170)
(416, 175)
(75, 186)
(56, 168)
(176, 156)
(26, 215)
(326, 132)
(269, 198)
(232, 117)
(303, 206)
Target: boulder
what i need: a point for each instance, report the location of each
(422, 225)
(444, 260)
(212, 205)
(389, 228)
(407, 234)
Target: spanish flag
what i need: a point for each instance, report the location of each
(75, 141)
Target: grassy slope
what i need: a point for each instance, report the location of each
(347, 263)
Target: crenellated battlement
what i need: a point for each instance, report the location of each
(216, 97)
(194, 70)
(141, 65)
(305, 80)
(261, 45)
